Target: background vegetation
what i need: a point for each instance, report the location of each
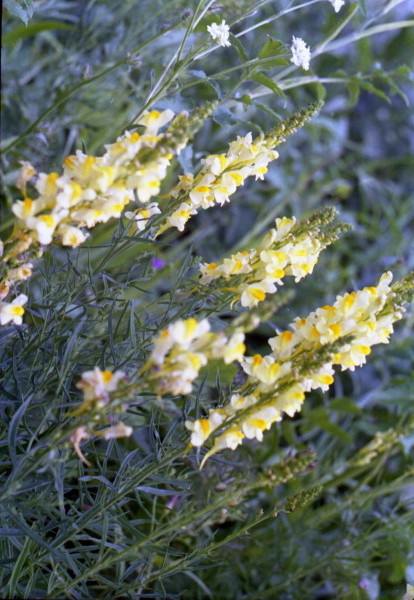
(144, 521)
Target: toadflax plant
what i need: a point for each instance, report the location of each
(149, 431)
(170, 367)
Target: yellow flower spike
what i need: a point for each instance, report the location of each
(277, 383)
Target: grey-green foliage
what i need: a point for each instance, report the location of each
(213, 533)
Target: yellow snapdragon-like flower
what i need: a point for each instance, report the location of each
(72, 236)
(220, 177)
(154, 120)
(183, 348)
(142, 215)
(12, 312)
(92, 190)
(97, 385)
(286, 250)
(277, 383)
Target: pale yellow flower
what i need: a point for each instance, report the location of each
(12, 312)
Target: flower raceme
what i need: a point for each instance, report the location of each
(179, 352)
(340, 334)
(92, 190)
(219, 178)
(302, 359)
(290, 249)
(222, 174)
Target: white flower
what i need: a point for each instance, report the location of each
(141, 217)
(234, 348)
(180, 216)
(72, 236)
(337, 4)
(117, 431)
(97, 384)
(20, 273)
(220, 33)
(13, 311)
(301, 53)
(153, 120)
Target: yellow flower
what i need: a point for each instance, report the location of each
(180, 217)
(71, 236)
(12, 312)
(20, 273)
(47, 186)
(254, 425)
(256, 292)
(142, 216)
(97, 384)
(153, 120)
(234, 349)
(263, 368)
(26, 173)
(23, 209)
(44, 226)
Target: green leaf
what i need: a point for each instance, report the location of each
(372, 89)
(387, 79)
(318, 89)
(274, 53)
(18, 566)
(272, 47)
(21, 32)
(207, 20)
(217, 369)
(268, 82)
(239, 47)
(354, 91)
(345, 405)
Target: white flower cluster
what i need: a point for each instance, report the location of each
(301, 54)
(220, 33)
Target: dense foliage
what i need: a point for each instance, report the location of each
(323, 506)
